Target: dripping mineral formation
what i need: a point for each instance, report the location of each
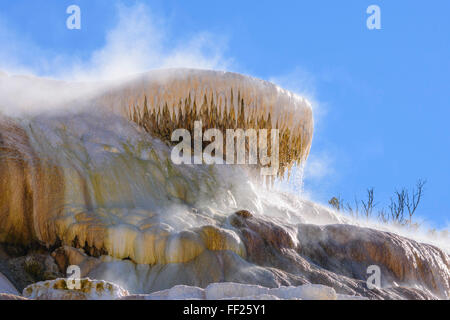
(86, 179)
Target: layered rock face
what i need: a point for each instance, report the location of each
(95, 187)
(339, 255)
(279, 254)
(348, 249)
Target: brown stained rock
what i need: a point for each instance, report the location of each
(61, 259)
(31, 268)
(348, 250)
(253, 244)
(338, 256)
(243, 214)
(274, 235)
(65, 256)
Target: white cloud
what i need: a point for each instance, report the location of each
(140, 41)
(319, 167)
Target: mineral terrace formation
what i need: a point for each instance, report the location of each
(92, 182)
(165, 100)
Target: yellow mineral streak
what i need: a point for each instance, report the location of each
(142, 241)
(183, 247)
(221, 239)
(24, 180)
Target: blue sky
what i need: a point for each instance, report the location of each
(381, 96)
